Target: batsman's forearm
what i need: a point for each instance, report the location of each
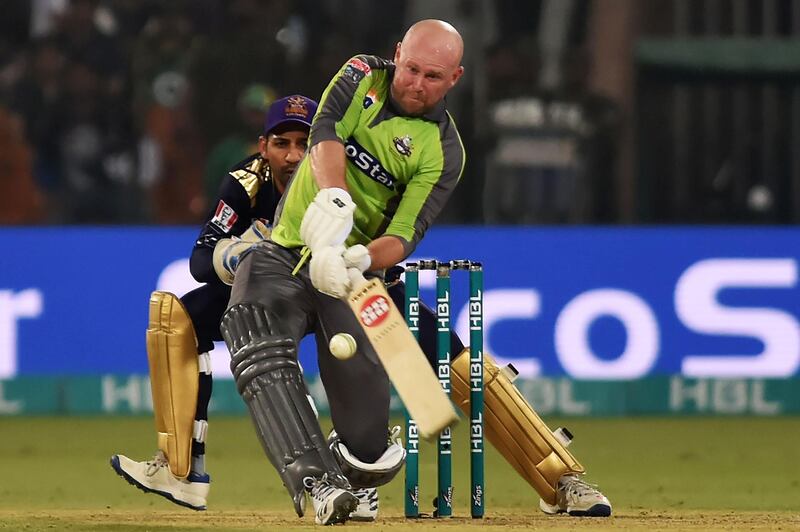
(385, 252)
(328, 164)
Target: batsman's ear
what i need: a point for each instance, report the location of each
(457, 73)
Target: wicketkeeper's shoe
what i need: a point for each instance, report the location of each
(577, 498)
(154, 476)
(367, 509)
(332, 504)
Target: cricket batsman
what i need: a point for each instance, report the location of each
(384, 158)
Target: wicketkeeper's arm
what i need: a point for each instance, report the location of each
(228, 251)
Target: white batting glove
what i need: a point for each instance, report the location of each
(328, 271)
(357, 257)
(356, 279)
(328, 219)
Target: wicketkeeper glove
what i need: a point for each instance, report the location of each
(328, 219)
(228, 251)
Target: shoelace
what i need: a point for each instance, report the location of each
(159, 461)
(322, 488)
(366, 494)
(575, 487)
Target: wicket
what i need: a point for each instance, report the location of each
(444, 498)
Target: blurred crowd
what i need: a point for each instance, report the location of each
(130, 111)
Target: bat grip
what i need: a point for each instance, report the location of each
(356, 279)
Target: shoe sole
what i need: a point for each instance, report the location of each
(598, 510)
(133, 482)
(362, 519)
(343, 505)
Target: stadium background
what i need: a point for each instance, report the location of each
(632, 186)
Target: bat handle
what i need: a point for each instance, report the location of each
(356, 279)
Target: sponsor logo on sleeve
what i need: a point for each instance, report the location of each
(224, 217)
(356, 69)
(368, 163)
(370, 98)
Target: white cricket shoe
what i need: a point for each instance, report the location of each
(367, 509)
(154, 476)
(332, 504)
(577, 498)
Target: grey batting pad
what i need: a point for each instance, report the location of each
(269, 380)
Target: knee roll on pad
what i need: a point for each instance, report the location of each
(364, 474)
(270, 381)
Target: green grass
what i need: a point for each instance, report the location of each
(55, 474)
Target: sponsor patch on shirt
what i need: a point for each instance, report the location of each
(224, 217)
(356, 69)
(368, 163)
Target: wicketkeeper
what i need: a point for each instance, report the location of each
(182, 332)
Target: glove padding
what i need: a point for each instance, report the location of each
(328, 219)
(257, 232)
(357, 257)
(228, 251)
(328, 271)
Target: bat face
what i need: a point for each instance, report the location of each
(402, 358)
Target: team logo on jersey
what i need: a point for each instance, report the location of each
(296, 107)
(224, 217)
(368, 163)
(356, 69)
(370, 98)
(403, 145)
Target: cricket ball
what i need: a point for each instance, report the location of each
(342, 346)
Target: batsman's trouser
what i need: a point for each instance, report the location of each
(358, 388)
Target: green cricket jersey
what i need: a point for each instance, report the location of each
(400, 169)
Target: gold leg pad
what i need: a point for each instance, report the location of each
(174, 379)
(514, 428)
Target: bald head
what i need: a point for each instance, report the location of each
(428, 65)
(438, 37)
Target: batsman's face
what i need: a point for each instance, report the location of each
(284, 150)
(423, 76)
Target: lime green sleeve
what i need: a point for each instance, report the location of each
(341, 104)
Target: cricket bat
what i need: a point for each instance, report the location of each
(401, 356)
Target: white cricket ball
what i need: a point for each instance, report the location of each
(342, 346)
